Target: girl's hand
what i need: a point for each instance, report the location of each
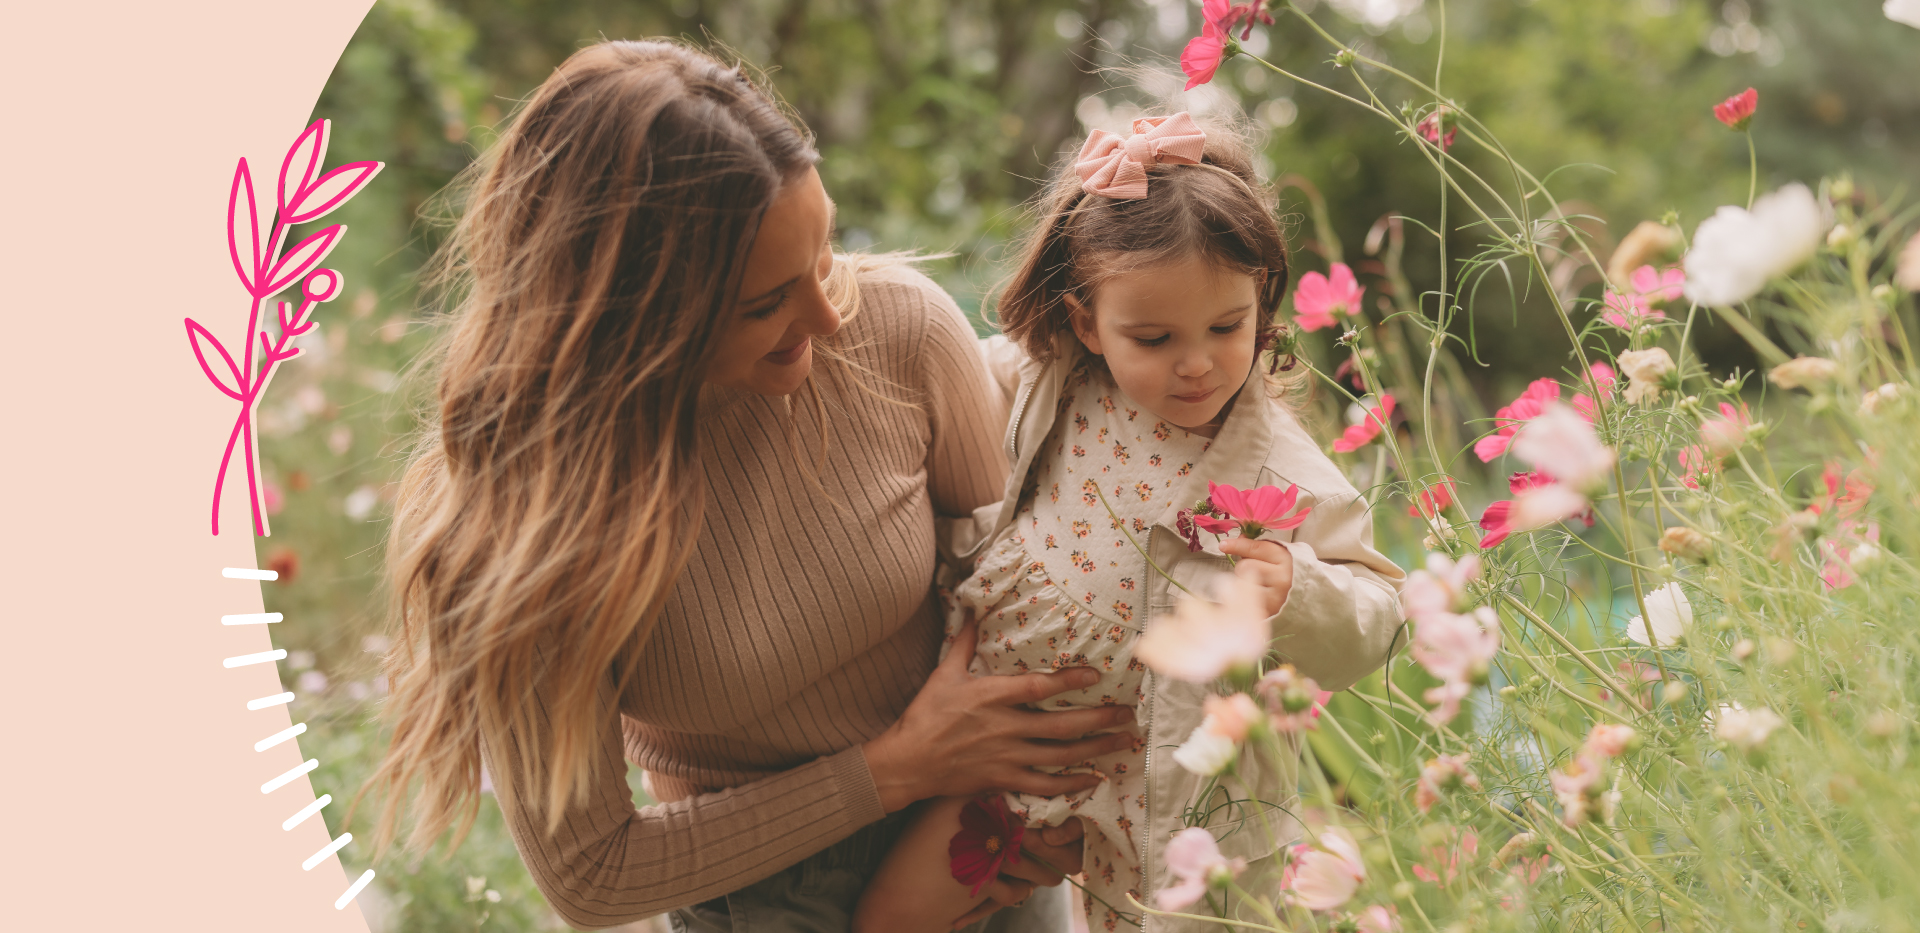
(963, 734)
(1268, 563)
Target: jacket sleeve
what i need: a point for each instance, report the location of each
(1342, 618)
(611, 863)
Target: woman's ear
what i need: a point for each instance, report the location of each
(1081, 317)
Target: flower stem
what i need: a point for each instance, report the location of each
(1753, 169)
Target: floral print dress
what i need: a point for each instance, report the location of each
(1062, 587)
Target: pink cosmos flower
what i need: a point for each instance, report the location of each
(1252, 511)
(1696, 466)
(1723, 435)
(1610, 740)
(1842, 553)
(1202, 56)
(1429, 130)
(1509, 418)
(1857, 487)
(1545, 505)
(1648, 287)
(1377, 919)
(1440, 587)
(1360, 435)
(1577, 786)
(1318, 298)
(1434, 500)
(1440, 776)
(1564, 446)
(1293, 700)
(1604, 379)
(1463, 846)
(1326, 877)
(1194, 858)
(1498, 521)
(1231, 717)
(1203, 640)
(1737, 111)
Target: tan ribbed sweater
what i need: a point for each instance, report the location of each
(801, 628)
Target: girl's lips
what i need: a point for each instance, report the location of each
(788, 356)
(1196, 397)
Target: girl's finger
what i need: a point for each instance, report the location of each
(1268, 551)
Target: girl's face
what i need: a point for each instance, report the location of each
(767, 347)
(1178, 337)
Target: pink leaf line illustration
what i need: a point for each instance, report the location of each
(256, 245)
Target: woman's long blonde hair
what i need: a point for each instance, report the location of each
(544, 518)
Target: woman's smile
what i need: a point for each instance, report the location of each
(790, 355)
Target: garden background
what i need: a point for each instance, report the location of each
(936, 121)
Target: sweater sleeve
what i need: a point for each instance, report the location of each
(610, 863)
(1342, 616)
(966, 411)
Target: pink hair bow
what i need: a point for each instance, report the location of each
(1116, 167)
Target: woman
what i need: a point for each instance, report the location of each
(679, 508)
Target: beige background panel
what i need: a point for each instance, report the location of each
(131, 785)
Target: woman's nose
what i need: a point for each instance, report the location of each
(816, 316)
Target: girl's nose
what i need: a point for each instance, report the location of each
(1193, 365)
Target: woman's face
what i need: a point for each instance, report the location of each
(767, 345)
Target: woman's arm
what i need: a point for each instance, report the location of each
(609, 863)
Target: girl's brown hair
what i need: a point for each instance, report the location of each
(1218, 210)
(545, 516)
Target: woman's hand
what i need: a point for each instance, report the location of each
(963, 734)
(1268, 563)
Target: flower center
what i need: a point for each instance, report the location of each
(993, 845)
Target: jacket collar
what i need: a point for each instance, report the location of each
(1238, 453)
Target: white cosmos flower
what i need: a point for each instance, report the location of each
(1903, 11)
(1562, 445)
(1206, 752)
(1736, 252)
(1744, 728)
(1647, 369)
(1671, 613)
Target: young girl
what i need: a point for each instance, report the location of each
(1138, 313)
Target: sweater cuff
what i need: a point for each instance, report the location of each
(854, 782)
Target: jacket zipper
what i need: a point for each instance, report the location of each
(1019, 412)
(1146, 776)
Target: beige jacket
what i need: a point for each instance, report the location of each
(1338, 624)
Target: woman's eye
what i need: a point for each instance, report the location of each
(767, 312)
(1151, 341)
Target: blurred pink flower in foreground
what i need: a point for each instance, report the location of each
(1507, 516)
(1319, 297)
(1440, 776)
(1604, 379)
(1462, 846)
(1459, 650)
(1194, 858)
(1724, 435)
(1377, 919)
(1441, 586)
(1324, 877)
(1232, 716)
(1252, 511)
(1377, 417)
(1201, 58)
(1564, 446)
(1293, 700)
(1203, 640)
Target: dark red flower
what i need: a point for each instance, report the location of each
(285, 562)
(989, 836)
(1737, 111)
(1431, 502)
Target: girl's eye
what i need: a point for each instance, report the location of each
(1230, 328)
(1152, 342)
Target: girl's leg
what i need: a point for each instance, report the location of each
(914, 890)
